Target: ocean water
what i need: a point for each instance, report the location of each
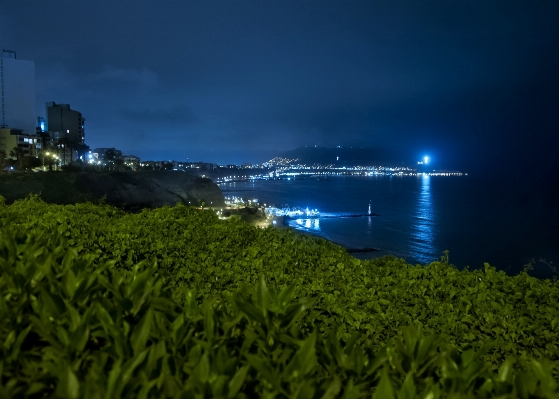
(503, 223)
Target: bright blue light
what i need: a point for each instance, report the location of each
(425, 160)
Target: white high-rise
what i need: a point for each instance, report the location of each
(17, 93)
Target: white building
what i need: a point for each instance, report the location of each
(17, 93)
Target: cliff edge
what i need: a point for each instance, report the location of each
(127, 190)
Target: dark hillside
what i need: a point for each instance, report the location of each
(129, 190)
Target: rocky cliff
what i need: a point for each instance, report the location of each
(128, 190)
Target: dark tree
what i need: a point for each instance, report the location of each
(17, 153)
(2, 159)
(30, 162)
(64, 143)
(110, 157)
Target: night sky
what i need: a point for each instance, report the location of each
(473, 84)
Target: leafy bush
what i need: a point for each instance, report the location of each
(377, 298)
(73, 328)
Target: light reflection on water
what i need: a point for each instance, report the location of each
(308, 224)
(422, 231)
(422, 216)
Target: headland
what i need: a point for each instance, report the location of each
(127, 190)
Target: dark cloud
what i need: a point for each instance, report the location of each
(472, 83)
(176, 116)
(144, 78)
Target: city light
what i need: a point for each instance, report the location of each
(426, 160)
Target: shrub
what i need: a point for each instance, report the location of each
(377, 298)
(73, 328)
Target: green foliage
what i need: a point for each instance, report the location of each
(445, 257)
(361, 305)
(73, 328)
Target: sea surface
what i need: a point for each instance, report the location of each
(503, 223)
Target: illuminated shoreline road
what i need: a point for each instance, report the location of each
(308, 173)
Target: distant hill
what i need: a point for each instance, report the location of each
(344, 156)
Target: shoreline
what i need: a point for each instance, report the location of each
(283, 222)
(349, 250)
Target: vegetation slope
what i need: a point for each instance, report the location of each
(84, 287)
